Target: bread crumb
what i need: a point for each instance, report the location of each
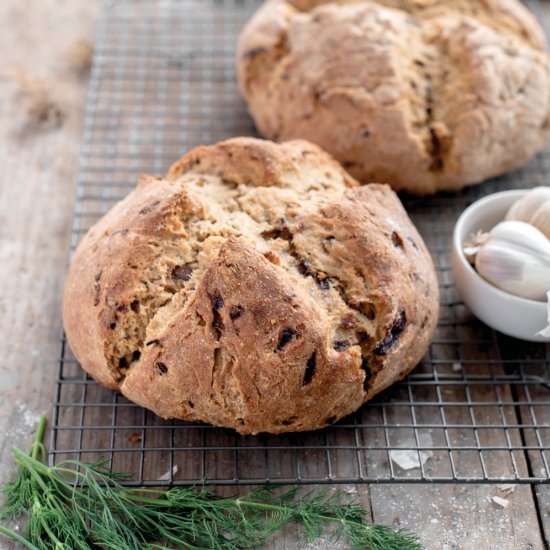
(409, 459)
(42, 108)
(272, 257)
(134, 438)
(504, 503)
(81, 54)
(166, 476)
(507, 488)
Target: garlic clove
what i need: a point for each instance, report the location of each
(515, 257)
(513, 270)
(533, 208)
(541, 219)
(523, 236)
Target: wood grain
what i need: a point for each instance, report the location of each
(465, 516)
(45, 54)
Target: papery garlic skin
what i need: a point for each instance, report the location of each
(516, 259)
(533, 208)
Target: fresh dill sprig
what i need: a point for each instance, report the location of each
(81, 506)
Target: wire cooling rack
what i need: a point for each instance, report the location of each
(477, 408)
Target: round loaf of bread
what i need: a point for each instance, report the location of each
(427, 95)
(257, 287)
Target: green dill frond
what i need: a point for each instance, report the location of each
(382, 537)
(18, 496)
(79, 506)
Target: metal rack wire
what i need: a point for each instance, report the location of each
(477, 409)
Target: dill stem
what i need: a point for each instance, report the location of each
(17, 537)
(32, 471)
(38, 469)
(39, 437)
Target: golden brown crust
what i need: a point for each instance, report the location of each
(258, 288)
(425, 94)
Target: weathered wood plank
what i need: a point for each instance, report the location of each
(464, 515)
(460, 517)
(533, 393)
(45, 56)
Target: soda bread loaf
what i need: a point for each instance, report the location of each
(257, 287)
(427, 95)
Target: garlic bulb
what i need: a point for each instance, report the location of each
(515, 256)
(533, 208)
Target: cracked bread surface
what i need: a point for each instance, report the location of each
(258, 287)
(427, 95)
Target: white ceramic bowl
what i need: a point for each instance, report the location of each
(504, 312)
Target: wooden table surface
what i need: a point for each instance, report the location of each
(46, 50)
